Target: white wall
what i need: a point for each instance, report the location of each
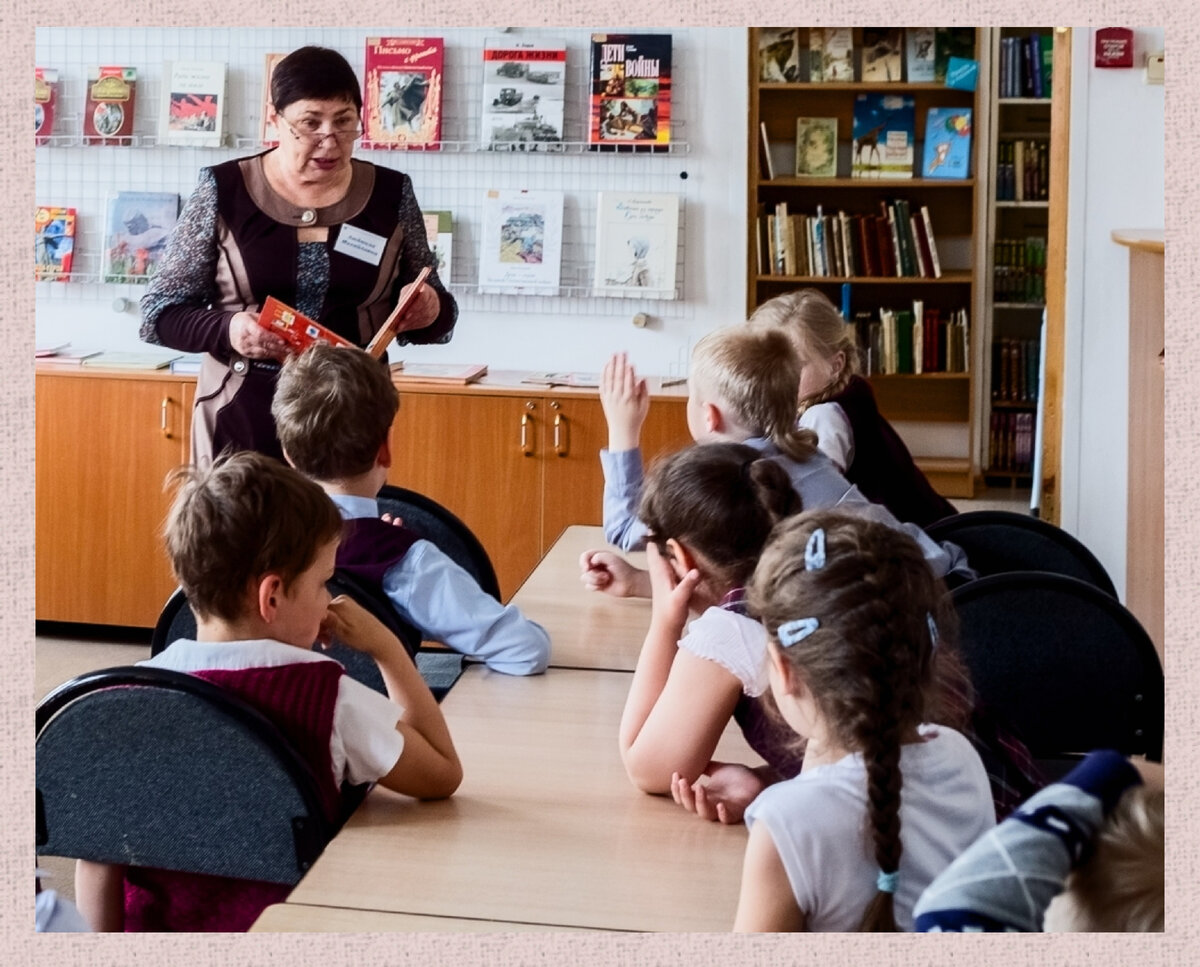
(576, 332)
(1116, 178)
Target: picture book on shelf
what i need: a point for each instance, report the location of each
(192, 106)
(884, 131)
(962, 73)
(520, 249)
(439, 231)
(53, 243)
(64, 356)
(630, 92)
(45, 99)
(563, 379)
(402, 93)
(779, 55)
(296, 329)
(882, 54)
(837, 54)
(816, 147)
(947, 143)
(139, 225)
(951, 42)
(108, 110)
(267, 133)
(636, 244)
(111, 359)
(918, 54)
(523, 84)
(456, 373)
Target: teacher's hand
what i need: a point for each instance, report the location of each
(422, 312)
(251, 340)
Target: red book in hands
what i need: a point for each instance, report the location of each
(297, 330)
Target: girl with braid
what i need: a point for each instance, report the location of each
(884, 800)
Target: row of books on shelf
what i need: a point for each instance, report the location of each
(884, 55)
(1025, 65)
(1023, 169)
(897, 242)
(1015, 365)
(1010, 441)
(627, 103)
(883, 141)
(520, 248)
(914, 340)
(1019, 270)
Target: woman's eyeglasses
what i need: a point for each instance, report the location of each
(314, 132)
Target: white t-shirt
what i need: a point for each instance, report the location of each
(835, 436)
(735, 642)
(817, 822)
(364, 744)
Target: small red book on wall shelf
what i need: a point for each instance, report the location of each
(402, 93)
(111, 97)
(45, 97)
(296, 329)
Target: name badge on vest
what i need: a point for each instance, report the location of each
(360, 244)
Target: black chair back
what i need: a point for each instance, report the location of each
(1064, 664)
(998, 541)
(436, 524)
(148, 767)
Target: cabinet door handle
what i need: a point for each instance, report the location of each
(525, 450)
(163, 418)
(560, 434)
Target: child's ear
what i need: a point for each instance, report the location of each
(714, 420)
(839, 363)
(384, 457)
(270, 590)
(290, 462)
(680, 556)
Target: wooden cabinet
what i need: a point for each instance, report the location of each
(932, 397)
(105, 444)
(517, 466)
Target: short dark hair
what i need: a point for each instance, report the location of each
(314, 74)
(333, 407)
(245, 516)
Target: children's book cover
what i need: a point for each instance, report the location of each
(523, 84)
(779, 55)
(816, 147)
(636, 244)
(295, 328)
(918, 56)
(631, 92)
(108, 111)
(139, 225)
(266, 131)
(439, 230)
(837, 54)
(882, 54)
(947, 151)
(45, 99)
(53, 243)
(192, 108)
(951, 42)
(521, 244)
(884, 131)
(402, 93)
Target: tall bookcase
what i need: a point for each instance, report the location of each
(1018, 221)
(942, 403)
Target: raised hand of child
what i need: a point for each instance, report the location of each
(625, 400)
(670, 593)
(612, 574)
(350, 623)
(730, 788)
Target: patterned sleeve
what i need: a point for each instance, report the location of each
(175, 308)
(415, 256)
(736, 643)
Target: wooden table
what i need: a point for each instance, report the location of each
(546, 828)
(301, 918)
(587, 629)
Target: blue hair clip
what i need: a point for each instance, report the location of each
(933, 632)
(887, 882)
(814, 550)
(791, 632)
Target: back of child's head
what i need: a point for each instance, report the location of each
(755, 374)
(1120, 887)
(333, 407)
(852, 606)
(245, 516)
(817, 330)
(721, 499)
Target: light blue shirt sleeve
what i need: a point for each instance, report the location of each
(622, 493)
(447, 605)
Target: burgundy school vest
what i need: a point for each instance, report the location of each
(882, 467)
(369, 547)
(299, 699)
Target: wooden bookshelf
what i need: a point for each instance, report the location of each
(954, 206)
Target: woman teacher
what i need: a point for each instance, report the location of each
(338, 239)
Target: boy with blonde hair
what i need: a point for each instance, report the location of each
(333, 411)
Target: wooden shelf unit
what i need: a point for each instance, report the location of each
(954, 208)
